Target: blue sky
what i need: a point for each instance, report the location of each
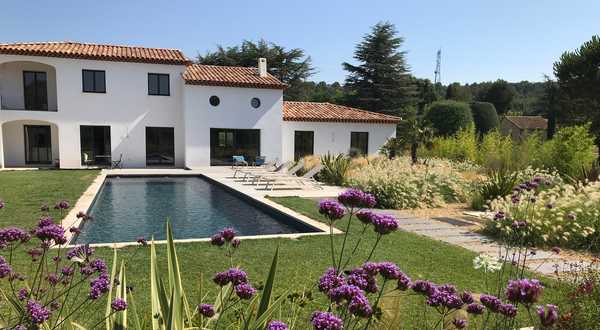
(480, 39)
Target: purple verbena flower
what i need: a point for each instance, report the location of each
(385, 224)
(228, 234)
(67, 271)
(508, 310)
(235, 243)
(12, 234)
(52, 279)
(81, 251)
(330, 280)
(524, 291)
(491, 302)
(217, 240)
(331, 209)
(359, 306)
(326, 321)
(98, 265)
(423, 287)
(22, 294)
(99, 286)
(355, 198)
(118, 305)
(244, 291)
(63, 205)
(548, 315)
(277, 325)
(404, 282)
(365, 216)
(36, 312)
(474, 308)
(51, 232)
(233, 275)
(5, 269)
(467, 297)
(389, 270)
(206, 310)
(363, 279)
(459, 323)
(344, 293)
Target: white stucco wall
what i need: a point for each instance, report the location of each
(234, 111)
(335, 137)
(126, 107)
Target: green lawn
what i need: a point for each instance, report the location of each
(302, 261)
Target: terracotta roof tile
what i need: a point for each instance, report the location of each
(69, 49)
(229, 76)
(528, 122)
(327, 112)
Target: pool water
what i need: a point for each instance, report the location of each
(130, 207)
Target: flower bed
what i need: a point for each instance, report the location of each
(546, 212)
(398, 184)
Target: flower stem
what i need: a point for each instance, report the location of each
(345, 238)
(374, 247)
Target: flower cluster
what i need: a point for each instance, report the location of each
(99, 286)
(326, 321)
(11, 235)
(277, 325)
(524, 291)
(206, 310)
(355, 198)
(37, 313)
(487, 263)
(548, 315)
(226, 235)
(47, 231)
(332, 210)
(5, 268)
(118, 305)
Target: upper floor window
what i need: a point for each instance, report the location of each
(359, 143)
(35, 85)
(158, 84)
(94, 81)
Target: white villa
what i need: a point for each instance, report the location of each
(75, 105)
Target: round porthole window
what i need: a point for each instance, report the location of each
(255, 102)
(214, 100)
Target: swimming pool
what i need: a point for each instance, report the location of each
(130, 207)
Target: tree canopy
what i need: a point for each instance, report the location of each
(457, 92)
(448, 117)
(501, 94)
(381, 80)
(291, 66)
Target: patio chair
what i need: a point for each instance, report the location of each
(292, 171)
(259, 161)
(86, 159)
(308, 177)
(238, 161)
(266, 167)
(117, 163)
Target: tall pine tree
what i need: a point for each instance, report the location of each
(381, 81)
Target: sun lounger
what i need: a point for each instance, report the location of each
(258, 177)
(283, 182)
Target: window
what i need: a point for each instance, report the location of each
(38, 144)
(359, 143)
(255, 102)
(35, 90)
(94, 81)
(214, 100)
(158, 84)
(95, 145)
(304, 142)
(226, 143)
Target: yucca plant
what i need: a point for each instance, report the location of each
(498, 184)
(335, 168)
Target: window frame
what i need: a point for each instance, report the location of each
(37, 91)
(158, 75)
(297, 143)
(95, 89)
(356, 136)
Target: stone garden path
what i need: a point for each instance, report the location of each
(461, 233)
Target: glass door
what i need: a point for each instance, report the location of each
(95, 145)
(304, 142)
(160, 146)
(226, 143)
(38, 144)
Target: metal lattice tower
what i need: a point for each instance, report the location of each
(438, 68)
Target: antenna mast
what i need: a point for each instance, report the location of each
(438, 68)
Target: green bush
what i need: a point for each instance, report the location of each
(449, 117)
(497, 184)
(335, 169)
(460, 147)
(484, 116)
(571, 150)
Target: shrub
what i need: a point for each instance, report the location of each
(461, 147)
(555, 213)
(449, 117)
(399, 184)
(335, 169)
(570, 150)
(497, 184)
(484, 116)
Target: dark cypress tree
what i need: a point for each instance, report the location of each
(381, 81)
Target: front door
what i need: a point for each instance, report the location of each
(38, 145)
(160, 146)
(95, 145)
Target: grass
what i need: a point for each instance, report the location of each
(302, 261)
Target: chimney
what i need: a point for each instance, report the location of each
(262, 67)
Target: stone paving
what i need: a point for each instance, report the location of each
(463, 235)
